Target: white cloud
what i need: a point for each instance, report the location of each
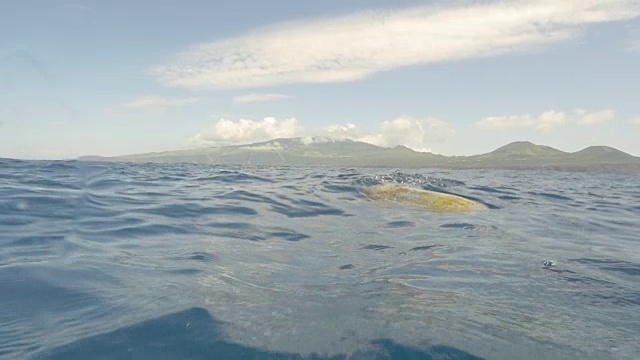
(601, 117)
(413, 133)
(251, 98)
(348, 131)
(244, 131)
(270, 146)
(437, 131)
(546, 121)
(147, 102)
(634, 121)
(308, 140)
(357, 46)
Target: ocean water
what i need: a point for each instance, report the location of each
(179, 261)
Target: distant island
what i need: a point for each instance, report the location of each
(321, 151)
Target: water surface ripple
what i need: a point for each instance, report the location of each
(193, 261)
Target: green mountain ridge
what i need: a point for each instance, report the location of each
(321, 151)
(604, 152)
(520, 149)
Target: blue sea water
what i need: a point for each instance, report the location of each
(180, 261)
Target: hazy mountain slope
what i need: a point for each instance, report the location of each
(520, 150)
(327, 152)
(602, 154)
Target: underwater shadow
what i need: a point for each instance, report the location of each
(195, 334)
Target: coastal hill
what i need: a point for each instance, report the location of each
(321, 151)
(522, 149)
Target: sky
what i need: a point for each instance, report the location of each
(450, 77)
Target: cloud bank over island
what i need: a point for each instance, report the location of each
(243, 131)
(357, 46)
(416, 134)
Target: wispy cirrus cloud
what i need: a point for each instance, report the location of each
(151, 102)
(547, 121)
(355, 47)
(252, 98)
(417, 134)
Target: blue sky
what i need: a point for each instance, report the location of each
(455, 77)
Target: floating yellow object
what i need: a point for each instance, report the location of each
(435, 201)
